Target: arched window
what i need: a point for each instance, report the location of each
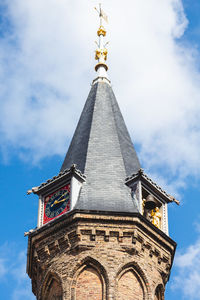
(90, 280)
(131, 283)
(130, 287)
(52, 289)
(89, 284)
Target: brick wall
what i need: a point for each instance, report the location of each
(101, 258)
(52, 291)
(89, 285)
(129, 287)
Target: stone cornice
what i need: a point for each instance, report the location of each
(67, 231)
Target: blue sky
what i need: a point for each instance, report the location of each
(46, 67)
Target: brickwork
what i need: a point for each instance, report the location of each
(129, 287)
(55, 292)
(89, 285)
(121, 251)
(52, 290)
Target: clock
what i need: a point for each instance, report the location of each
(56, 204)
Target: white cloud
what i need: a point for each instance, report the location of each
(13, 273)
(3, 270)
(46, 66)
(188, 266)
(22, 288)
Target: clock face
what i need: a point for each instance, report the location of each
(56, 204)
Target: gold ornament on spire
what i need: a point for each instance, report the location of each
(101, 31)
(101, 52)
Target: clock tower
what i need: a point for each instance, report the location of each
(102, 231)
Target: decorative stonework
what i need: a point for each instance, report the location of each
(108, 245)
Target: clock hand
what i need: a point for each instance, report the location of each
(61, 196)
(57, 201)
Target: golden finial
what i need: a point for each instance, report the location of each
(101, 31)
(101, 52)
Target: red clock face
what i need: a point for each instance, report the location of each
(56, 204)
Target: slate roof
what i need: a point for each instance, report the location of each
(67, 173)
(102, 150)
(140, 175)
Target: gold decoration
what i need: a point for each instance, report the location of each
(101, 53)
(156, 217)
(101, 31)
(98, 54)
(105, 52)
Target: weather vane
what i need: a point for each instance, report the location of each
(102, 14)
(101, 52)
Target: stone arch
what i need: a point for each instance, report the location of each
(90, 280)
(51, 287)
(159, 292)
(132, 283)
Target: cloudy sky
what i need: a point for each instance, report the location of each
(46, 68)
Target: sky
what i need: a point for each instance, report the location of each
(46, 69)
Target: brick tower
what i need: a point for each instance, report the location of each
(102, 230)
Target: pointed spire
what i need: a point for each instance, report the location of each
(101, 146)
(101, 51)
(102, 149)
